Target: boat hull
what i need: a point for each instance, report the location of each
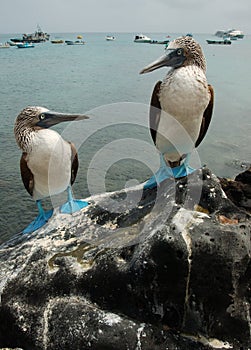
(57, 41)
(109, 38)
(77, 42)
(37, 37)
(161, 42)
(219, 42)
(142, 41)
(25, 46)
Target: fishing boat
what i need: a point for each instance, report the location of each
(238, 34)
(110, 38)
(161, 42)
(141, 38)
(220, 42)
(232, 33)
(76, 42)
(57, 41)
(37, 37)
(25, 45)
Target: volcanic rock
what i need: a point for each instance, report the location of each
(166, 268)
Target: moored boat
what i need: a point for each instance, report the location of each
(76, 42)
(236, 34)
(220, 42)
(232, 33)
(162, 42)
(141, 38)
(25, 45)
(37, 37)
(57, 41)
(110, 38)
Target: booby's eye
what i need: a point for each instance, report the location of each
(42, 116)
(179, 52)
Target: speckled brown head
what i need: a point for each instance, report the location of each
(32, 119)
(26, 125)
(192, 51)
(183, 51)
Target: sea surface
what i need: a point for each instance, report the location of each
(102, 79)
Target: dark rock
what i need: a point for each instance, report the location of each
(244, 177)
(167, 268)
(239, 189)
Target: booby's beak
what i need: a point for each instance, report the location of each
(49, 118)
(173, 58)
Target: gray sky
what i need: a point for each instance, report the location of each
(168, 16)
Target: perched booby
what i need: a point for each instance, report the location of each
(48, 163)
(181, 107)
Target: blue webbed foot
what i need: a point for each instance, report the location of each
(40, 220)
(166, 172)
(72, 205)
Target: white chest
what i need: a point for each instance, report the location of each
(183, 97)
(50, 163)
(184, 93)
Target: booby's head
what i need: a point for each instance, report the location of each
(183, 51)
(32, 119)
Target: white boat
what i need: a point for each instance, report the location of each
(110, 38)
(236, 34)
(4, 46)
(232, 33)
(141, 38)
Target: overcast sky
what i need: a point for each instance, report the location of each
(168, 16)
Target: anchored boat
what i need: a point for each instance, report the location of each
(220, 42)
(110, 38)
(24, 45)
(76, 42)
(141, 38)
(37, 37)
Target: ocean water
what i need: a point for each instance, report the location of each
(102, 80)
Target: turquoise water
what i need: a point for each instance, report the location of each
(83, 79)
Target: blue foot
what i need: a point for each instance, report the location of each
(166, 172)
(40, 220)
(72, 205)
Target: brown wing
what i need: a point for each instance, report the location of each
(207, 116)
(26, 174)
(155, 110)
(74, 163)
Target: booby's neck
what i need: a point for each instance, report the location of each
(190, 64)
(24, 137)
(197, 61)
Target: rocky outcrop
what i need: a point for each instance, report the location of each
(167, 268)
(239, 189)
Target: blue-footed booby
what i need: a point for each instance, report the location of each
(181, 107)
(48, 163)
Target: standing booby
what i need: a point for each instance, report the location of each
(48, 163)
(181, 107)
